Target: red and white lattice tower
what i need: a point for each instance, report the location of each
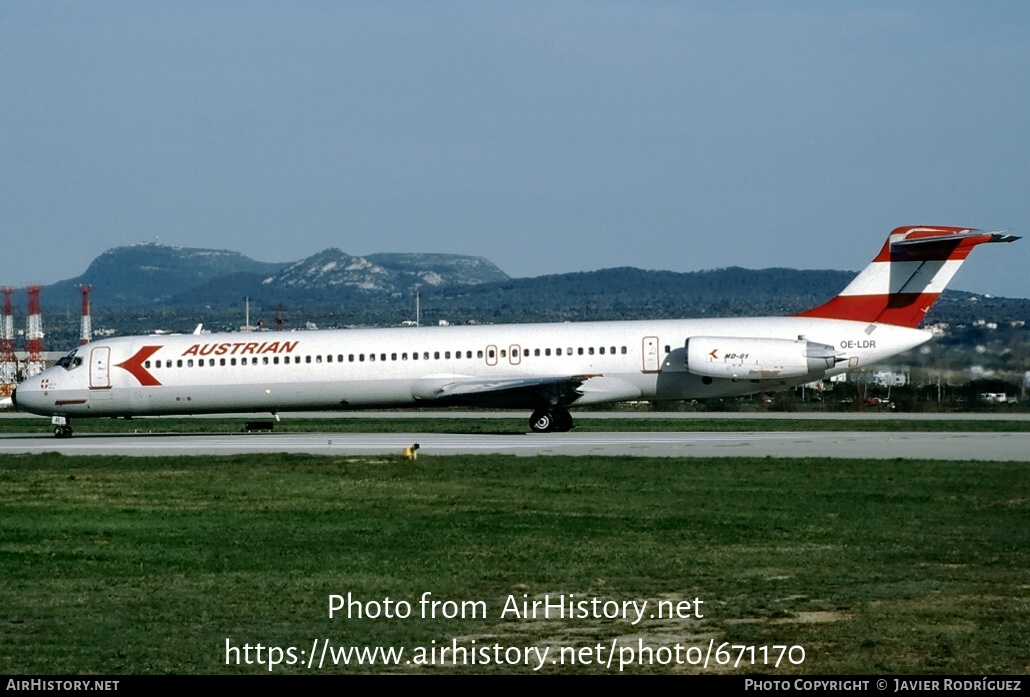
(8, 363)
(86, 335)
(34, 334)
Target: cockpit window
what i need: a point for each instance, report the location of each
(71, 361)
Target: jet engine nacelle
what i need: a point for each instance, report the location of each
(742, 358)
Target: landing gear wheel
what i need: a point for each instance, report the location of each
(542, 421)
(562, 420)
(63, 431)
(550, 420)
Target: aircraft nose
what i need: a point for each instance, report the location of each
(28, 396)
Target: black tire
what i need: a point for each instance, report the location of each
(562, 420)
(541, 421)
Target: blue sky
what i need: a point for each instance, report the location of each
(548, 137)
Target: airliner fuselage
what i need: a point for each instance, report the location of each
(519, 366)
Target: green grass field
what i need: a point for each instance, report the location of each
(149, 565)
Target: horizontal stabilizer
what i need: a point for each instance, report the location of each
(906, 277)
(993, 236)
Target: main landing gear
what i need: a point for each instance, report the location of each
(549, 420)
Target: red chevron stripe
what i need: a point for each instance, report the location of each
(135, 366)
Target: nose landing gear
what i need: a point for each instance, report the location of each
(62, 429)
(550, 420)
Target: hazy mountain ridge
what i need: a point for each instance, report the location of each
(149, 273)
(153, 274)
(384, 273)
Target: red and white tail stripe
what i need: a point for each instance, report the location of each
(905, 278)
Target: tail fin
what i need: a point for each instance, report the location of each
(908, 274)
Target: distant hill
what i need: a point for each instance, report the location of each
(151, 274)
(622, 293)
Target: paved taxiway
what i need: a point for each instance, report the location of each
(842, 444)
(878, 445)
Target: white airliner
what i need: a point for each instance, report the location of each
(543, 367)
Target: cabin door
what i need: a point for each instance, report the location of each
(100, 368)
(650, 353)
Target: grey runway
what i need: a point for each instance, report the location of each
(877, 445)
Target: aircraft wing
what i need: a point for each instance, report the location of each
(557, 390)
